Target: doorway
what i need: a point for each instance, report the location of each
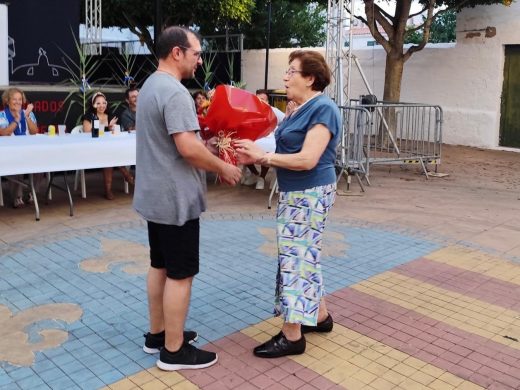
(510, 106)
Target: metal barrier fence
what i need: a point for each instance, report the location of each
(386, 133)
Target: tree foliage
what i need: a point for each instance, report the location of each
(442, 30)
(390, 31)
(210, 15)
(293, 24)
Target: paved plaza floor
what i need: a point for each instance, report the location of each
(423, 282)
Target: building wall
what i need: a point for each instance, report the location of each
(465, 78)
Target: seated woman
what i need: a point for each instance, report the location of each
(100, 112)
(200, 99)
(14, 120)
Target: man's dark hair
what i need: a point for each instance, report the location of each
(173, 36)
(262, 91)
(131, 89)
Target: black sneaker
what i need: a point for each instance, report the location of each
(154, 342)
(324, 326)
(186, 358)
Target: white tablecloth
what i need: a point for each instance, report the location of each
(41, 153)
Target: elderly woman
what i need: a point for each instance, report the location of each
(14, 120)
(99, 111)
(306, 143)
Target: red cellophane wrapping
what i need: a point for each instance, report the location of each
(236, 114)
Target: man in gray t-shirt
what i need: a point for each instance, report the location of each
(170, 195)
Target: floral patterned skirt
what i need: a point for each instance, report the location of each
(300, 221)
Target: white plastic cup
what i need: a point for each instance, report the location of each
(62, 129)
(116, 129)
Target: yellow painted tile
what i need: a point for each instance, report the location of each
(353, 384)
(476, 261)
(172, 378)
(317, 353)
(370, 354)
(394, 377)
(410, 384)
(360, 361)
(123, 384)
(328, 345)
(157, 373)
(321, 367)
(382, 384)
(415, 363)
(364, 376)
(432, 370)
(404, 369)
(156, 384)
(251, 331)
(468, 386)
(336, 361)
(387, 361)
(141, 378)
(337, 375)
(422, 378)
(185, 385)
(275, 321)
(397, 355)
(408, 297)
(376, 368)
(437, 384)
(451, 379)
(305, 360)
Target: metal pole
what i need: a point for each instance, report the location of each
(158, 22)
(4, 46)
(268, 43)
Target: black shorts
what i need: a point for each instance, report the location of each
(175, 248)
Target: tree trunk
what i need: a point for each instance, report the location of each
(392, 94)
(393, 76)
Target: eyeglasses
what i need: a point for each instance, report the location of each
(290, 72)
(198, 53)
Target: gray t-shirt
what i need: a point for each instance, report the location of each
(168, 190)
(127, 119)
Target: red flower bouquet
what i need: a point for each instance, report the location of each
(235, 114)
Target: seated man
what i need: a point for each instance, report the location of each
(128, 115)
(267, 143)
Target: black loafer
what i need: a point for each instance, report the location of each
(280, 346)
(324, 326)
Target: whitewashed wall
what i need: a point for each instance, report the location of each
(465, 78)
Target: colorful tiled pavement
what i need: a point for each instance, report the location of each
(410, 313)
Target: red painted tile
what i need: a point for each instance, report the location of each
(232, 381)
(276, 373)
(292, 382)
(472, 284)
(322, 383)
(306, 375)
(481, 379)
(290, 366)
(448, 347)
(248, 372)
(470, 365)
(507, 380)
(262, 381)
(462, 351)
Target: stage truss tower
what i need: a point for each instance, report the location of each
(93, 26)
(336, 52)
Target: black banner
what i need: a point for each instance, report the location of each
(37, 31)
